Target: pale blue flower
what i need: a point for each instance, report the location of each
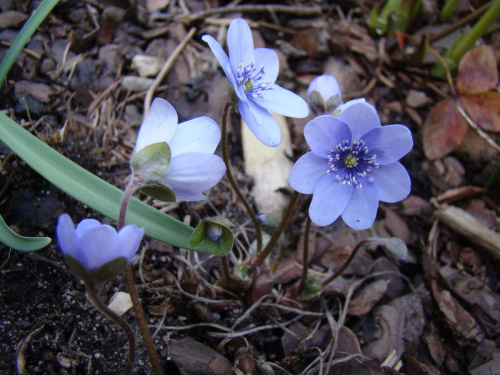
(353, 164)
(324, 94)
(193, 167)
(93, 244)
(252, 73)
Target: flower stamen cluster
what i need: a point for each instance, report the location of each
(248, 78)
(353, 161)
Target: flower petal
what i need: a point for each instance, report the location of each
(329, 200)
(66, 236)
(269, 59)
(282, 101)
(306, 173)
(361, 211)
(390, 143)
(201, 134)
(98, 246)
(262, 124)
(240, 44)
(130, 237)
(392, 182)
(324, 133)
(192, 173)
(360, 116)
(221, 57)
(159, 124)
(85, 225)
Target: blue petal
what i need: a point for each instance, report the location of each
(262, 124)
(220, 55)
(324, 133)
(201, 134)
(392, 182)
(98, 246)
(282, 101)
(306, 173)
(269, 59)
(240, 44)
(361, 211)
(329, 200)
(159, 124)
(66, 237)
(360, 116)
(130, 237)
(192, 173)
(85, 225)
(390, 143)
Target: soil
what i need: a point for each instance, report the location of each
(439, 312)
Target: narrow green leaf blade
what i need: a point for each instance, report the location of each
(91, 190)
(17, 242)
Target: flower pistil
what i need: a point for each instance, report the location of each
(248, 77)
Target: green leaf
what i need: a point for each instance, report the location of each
(204, 235)
(17, 242)
(24, 35)
(93, 191)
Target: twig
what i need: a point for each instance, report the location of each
(477, 129)
(166, 67)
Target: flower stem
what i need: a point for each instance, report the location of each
(129, 280)
(290, 210)
(232, 181)
(305, 259)
(225, 270)
(101, 306)
(346, 263)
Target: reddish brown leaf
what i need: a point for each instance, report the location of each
(477, 71)
(444, 129)
(367, 298)
(484, 109)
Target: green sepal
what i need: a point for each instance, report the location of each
(316, 102)
(20, 243)
(104, 273)
(201, 235)
(109, 270)
(151, 162)
(333, 103)
(160, 192)
(394, 247)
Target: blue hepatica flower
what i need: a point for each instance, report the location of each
(94, 245)
(324, 94)
(353, 164)
(193, 167)
(252, 73)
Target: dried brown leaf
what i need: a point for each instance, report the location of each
(443, 130)
(477, 71)
(367, 298)
(197, 359)
(484, 109)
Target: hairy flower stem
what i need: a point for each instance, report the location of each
(305, 258)
(287, 216)
(346, 263)
(101, 306)
(225, 270)
(232, 181)
(129, 280)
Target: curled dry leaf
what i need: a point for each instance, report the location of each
(482, 303)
